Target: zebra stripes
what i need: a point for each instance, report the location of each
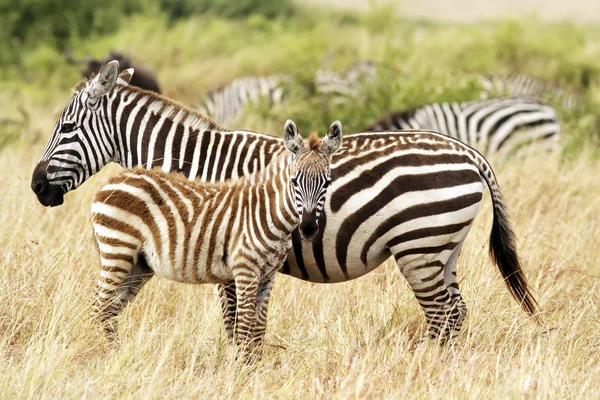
(348, 84)
(526, 85)
(497, 128)
(226, 104)
(148, 220)
(412, 195)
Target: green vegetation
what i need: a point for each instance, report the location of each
(195, 47)
(348, 340)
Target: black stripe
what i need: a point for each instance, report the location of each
(399, 186)
(425, 250)
(135, 136)
(176, 148)
(204, 144)
(417, 233)
(317, 247)
(369, 178)
(213, 155)
(297, 244)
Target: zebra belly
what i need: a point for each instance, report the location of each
(182, 270)
(371, 242)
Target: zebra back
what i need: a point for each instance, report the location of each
(497, 127)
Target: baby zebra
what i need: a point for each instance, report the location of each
(239, 230)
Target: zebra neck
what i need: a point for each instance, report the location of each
(154, 131)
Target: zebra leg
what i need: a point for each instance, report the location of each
(246, 283)
(262, 304)
(435, 287)
(137, 278)
(228, 300)
(111, 297)
(458, 304)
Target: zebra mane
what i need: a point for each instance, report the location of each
(314, 141)
(82, 84)
(170, 107)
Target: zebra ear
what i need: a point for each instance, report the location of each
(105, 81)
(125, 77)
(333, 140)
(291, 138)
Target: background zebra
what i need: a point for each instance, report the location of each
(227, 103)
(348, 84)
(497, 127)
(144, 77)
(149, 221)
(412, 195)
(517, 84)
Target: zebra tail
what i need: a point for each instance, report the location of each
(503, 250)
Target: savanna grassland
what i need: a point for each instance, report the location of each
(351, 340)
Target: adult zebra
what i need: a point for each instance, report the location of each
(411, 194)
(497, 128)
(227, 103)
(518, 84)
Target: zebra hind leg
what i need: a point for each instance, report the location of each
(111, 294)
(137, 278)
(436, 289)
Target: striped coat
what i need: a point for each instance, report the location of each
(196, 232)
(498, 128)
(411, 194)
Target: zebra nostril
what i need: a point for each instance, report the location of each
(40, 187)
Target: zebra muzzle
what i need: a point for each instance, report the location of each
(309, 226)
(48, 195)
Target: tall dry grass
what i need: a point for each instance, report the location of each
(352, 340)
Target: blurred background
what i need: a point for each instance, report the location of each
(423, 52)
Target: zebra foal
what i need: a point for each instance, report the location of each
(196, 232)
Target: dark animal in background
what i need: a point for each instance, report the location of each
(143, 78)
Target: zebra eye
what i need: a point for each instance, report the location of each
(294, 180)
(68, 127)
(327, 183)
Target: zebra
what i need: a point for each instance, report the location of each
(197, 232)
(227, 103)
(497, 128)
(342, 86)
(517, 84)
(412, 194)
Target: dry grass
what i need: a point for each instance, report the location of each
(350, 340)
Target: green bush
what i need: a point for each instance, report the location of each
(227, 8)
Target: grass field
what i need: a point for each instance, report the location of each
(351, 340)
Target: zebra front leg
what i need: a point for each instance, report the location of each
(228, 300)
(246, 283)
(262, 303)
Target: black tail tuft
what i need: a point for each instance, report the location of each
(503, 252)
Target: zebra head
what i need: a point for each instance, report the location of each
(81, 143)
(310, 174)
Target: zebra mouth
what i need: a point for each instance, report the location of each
(52, 198)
